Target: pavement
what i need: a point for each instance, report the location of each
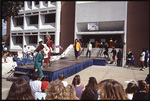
(110, 71)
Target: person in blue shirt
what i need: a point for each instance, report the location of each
(146, 57)
(16, 59)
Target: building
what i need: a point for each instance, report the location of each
(97, 21)
(35, 20)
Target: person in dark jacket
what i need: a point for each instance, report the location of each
(119, 58)
(143, 93)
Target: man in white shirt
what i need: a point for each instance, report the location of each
(25, 51)
(89, 49)
(142, 59)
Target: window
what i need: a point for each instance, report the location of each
(19, 21)
(53, 1)
(52, 38)
(46, 2)
(50, 18)
(22, 3)
(34, 19)
(30, 3)
(33, 39)
(19, 39)
(36, 2)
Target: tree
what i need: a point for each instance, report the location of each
(10, 8)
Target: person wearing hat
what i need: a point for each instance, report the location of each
(42, 95)
(46, 49)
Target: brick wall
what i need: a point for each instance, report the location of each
(67, 23)
(137, 28)
(8, 32)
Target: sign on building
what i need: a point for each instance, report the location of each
(93, 26)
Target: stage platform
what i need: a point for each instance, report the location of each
(68, 66)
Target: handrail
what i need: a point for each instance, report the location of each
(100, 51)
(83, 48)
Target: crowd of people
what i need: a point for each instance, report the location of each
(32, 88)
(117, 56)
(9, 62)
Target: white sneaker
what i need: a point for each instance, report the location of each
(142, 69)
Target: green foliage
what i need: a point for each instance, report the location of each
(10, 8)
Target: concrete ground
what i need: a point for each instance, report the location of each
(120, 74)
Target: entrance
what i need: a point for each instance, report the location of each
(117, 40)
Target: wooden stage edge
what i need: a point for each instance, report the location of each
(62, 63)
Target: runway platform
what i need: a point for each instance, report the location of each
(67, 66)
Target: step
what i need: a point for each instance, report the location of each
(18, 72)
(13, 78)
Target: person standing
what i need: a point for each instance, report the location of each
(129, 56)
(49, 43)
(45, 50)
(106, 50)
(89, 49)
(38, 61)
(5, 49)
(76, 46)
(146, 57)
(142, 59)
(28, 52)
(119, 56)
(79, 49)
(25, 51)
(114, 54)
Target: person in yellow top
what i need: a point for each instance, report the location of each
(76, 46)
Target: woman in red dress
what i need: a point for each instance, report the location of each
(49, 43)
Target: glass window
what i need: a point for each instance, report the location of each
(30, 3)
(46, 2)
(53, 1)
(33, 39)
(19, 39)
(19, 21)
(50, 18)
(52, 38)
(36, 2)
(34, 19)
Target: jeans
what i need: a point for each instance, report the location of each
(89, 53)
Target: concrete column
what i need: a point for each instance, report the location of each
(75, 36)
(25, 5)
(23, 31)
(11, 41)
(125, 38)
(57, 25)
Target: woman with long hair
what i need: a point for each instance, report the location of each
(111, 90)
(49, 43)
(93, 86)
(77, 47)
(78, 85)
(38, 61)
(20, 90)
